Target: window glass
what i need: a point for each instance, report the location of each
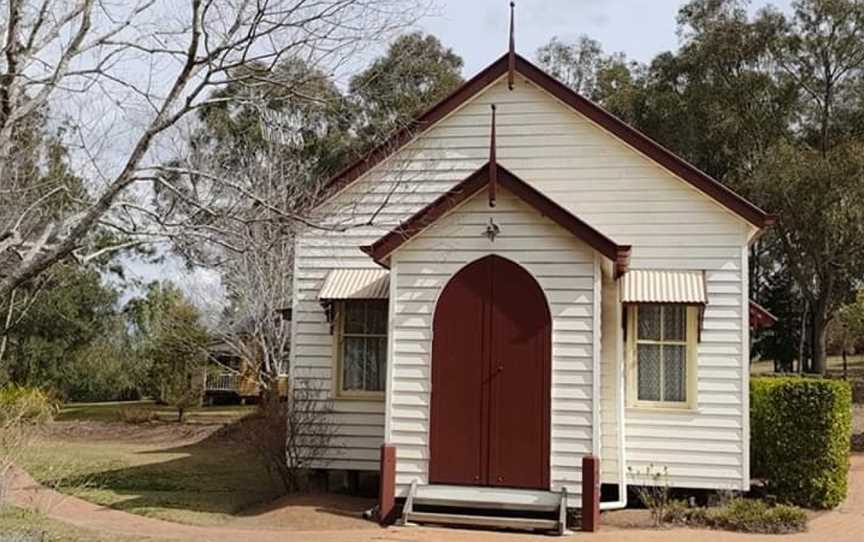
(661, 353)
(353, 360)
(649, 322)
(376, 318)
(674, 322)
(355, 317)
(674, 373)
(364, 345)
(649, 372)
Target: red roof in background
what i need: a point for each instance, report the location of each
(639, 141)
(760, 316)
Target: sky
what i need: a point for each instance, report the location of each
(477, 29)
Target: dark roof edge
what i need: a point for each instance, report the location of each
(381, 249)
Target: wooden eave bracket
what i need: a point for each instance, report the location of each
(369, 250)
(622, 260)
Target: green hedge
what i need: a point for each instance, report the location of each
(800, 431)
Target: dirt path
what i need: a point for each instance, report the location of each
(841, 525)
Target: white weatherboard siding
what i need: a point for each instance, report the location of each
(604, 182)
(563, 266)
(360, 423)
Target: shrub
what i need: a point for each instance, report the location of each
(743, 515)
(20, 403)
(652, 488)
(755, 516)
(800, 437)
(136, 415)
(22, 411)
(678, 512)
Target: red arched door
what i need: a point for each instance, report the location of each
(491, 374)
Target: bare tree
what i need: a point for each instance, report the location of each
(148, 65)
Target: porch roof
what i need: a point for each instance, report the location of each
(381, 250)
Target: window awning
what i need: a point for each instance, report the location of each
(356, 284)
(661, 286)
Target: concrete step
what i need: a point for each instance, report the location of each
(487, 498)
(493, 507)
(481, 521)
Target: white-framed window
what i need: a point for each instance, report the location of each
(661, 347)
(361, 343)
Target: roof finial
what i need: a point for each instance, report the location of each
(493, 164)
(511, 55)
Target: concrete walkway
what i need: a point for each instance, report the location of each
(846, 524)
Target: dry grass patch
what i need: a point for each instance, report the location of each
(19, 525)
(191, 474)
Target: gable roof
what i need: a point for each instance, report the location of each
(629, 135)
(381, 249)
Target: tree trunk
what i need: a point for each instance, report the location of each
(4, 339)
(820, 340)
(845, 364)
(803, 338)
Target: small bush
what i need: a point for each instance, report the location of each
(755, 516)
(136, 415)
(22, 412)
(801, 431)
(678, 512)
(20, 403)
(742, 515)
(653, 489)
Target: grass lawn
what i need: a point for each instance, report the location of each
(835, 366)
(197, 473)
(110, 412)
(25, 526)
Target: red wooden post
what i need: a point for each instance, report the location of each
(387, 486)
(590, 493)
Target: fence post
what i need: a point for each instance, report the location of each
(590, 493)
(387, 486)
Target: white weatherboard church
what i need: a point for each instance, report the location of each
(504, 295)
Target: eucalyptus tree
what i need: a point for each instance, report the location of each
(416, 72)
(583, 66)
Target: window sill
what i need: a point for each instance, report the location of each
(372, 397)
(663, 409)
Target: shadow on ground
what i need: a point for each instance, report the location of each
(215, 478)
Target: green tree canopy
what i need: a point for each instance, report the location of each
(771, 105)
(416, 72)
(72, 318)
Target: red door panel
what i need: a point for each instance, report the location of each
(520, 398)
(459, 353)
(491, 373)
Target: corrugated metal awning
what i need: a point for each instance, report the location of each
(659, 286)
(356, 284)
